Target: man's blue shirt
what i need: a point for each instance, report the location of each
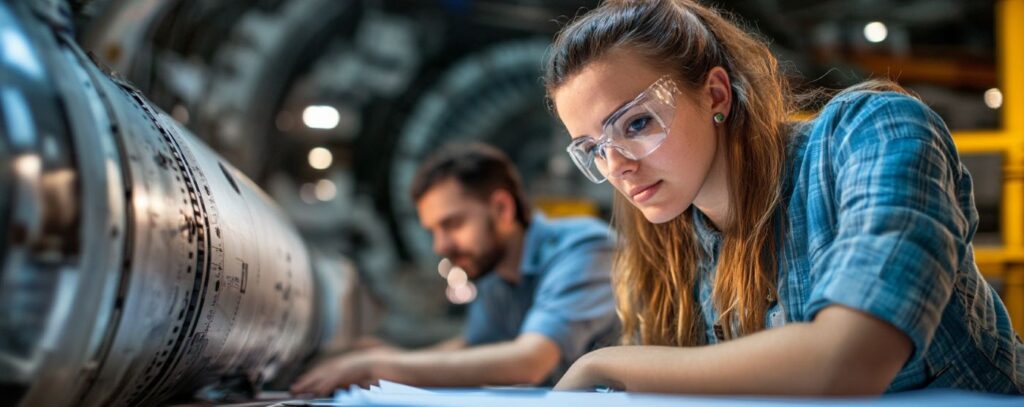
(565, 292)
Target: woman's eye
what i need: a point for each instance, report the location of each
(638, 124)
(592, 150)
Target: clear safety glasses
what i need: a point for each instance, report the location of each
(634, 131)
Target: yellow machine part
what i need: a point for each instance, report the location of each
(1006, 262)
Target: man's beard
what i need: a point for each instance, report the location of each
(487, 262)
(489, 259)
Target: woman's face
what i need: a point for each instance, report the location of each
(666, 182)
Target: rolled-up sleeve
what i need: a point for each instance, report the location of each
(901, 234)
(574, 305)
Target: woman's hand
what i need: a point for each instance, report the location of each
(842, 352)
(587, 372)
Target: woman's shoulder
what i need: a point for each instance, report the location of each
(858, 117)
(858, 102)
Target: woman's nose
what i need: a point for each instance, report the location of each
(618, 165)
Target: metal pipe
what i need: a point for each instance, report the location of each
(138, 265)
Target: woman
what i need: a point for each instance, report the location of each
(824, 257)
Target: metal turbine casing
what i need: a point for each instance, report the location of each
(137, 264)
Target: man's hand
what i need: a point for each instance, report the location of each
(373, 344)
(337, 372)
(526, 360)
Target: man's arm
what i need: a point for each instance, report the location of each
(456, 343)
(526, 360)
(842, 352)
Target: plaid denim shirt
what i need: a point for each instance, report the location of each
(879, 217)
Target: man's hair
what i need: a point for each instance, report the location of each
(479, 168)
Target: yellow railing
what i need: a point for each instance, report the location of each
(1006, 262)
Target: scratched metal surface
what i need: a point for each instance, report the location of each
(144, 266)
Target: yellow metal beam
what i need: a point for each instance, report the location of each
(1006, 262)
(994, 255)
(1011, 50)
(981, 142)
(1010, 37)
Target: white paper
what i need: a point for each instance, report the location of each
(398, 388)
(396, 394)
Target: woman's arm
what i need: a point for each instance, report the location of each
(842, 352)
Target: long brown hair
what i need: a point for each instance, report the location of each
(656, 264)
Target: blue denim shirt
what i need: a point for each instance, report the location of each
(879, 217)
(565, 293)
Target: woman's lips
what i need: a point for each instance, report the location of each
(642, 194)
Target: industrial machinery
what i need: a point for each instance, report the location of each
(400, 78)
(137, 265)
(328, 106)
(388, 81)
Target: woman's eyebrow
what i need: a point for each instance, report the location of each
(615, 110)
(573, 139)
(604, 122)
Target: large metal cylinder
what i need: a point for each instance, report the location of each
(137, 264)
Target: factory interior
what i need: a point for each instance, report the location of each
(203, 199)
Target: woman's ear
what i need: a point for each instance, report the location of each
(719, 91)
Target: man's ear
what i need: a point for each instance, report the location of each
(503, 207)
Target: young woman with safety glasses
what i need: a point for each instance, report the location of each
(760, 255)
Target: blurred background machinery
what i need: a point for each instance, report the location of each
(137, 264)
(329, 105)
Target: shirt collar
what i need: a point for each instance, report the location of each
(709, 238)
(532, 242)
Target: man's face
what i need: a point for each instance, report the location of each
(462, 226)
